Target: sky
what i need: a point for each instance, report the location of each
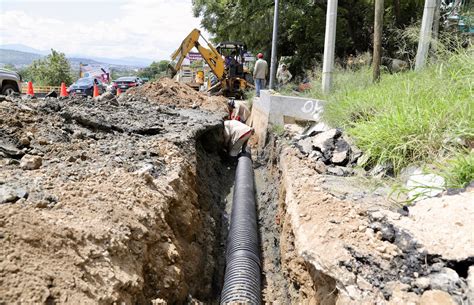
(150, 29)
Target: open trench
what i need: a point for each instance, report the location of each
(127, 205)
(286, 278)
(333, 240)
(132, 205)
(289, 276)
(139, 212)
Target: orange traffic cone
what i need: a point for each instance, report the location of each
(96, 91)
(30, 91)
(63, 90)
(119, 91)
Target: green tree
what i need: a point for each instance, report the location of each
(302, 26)
(155, 70)
(9, 67)
(51, 70)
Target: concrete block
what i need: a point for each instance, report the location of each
(271, 109)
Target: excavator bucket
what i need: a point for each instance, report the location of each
(171, 71)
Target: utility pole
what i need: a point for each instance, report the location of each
(378, 26)
(329, 44)
(273, 62)
(425, 34)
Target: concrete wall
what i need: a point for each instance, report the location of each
(273, 109)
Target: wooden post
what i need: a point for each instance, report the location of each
(378, 26)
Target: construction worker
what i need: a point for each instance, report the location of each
(238, 110)
(236, 135)
(283, 75)
(260, 72)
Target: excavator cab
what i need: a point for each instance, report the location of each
(236, 74)
(233, 53)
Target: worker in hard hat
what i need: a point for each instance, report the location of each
(238, 110)
(260, 72)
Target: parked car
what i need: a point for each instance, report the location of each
(126, 82)
(145, 79)
(85, 86)
(9, 82)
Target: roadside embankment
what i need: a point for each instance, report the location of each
(341, 241)
(416, 117)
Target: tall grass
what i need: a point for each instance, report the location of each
(408, 117)
(343, 81)
(459, 170)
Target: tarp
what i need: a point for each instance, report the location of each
(101, 72)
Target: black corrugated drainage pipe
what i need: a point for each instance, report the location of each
(242, 271)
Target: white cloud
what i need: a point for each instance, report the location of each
(150, 29)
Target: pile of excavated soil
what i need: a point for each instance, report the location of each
(106, 202)
(166, 91)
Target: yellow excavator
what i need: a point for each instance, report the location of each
(226, 62)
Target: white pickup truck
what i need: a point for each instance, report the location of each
(9, 82)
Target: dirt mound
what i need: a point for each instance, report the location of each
(104, 202)
(169, 92)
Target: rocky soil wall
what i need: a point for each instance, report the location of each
(110, 201)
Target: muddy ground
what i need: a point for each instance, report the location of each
(112, 201)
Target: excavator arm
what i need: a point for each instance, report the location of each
(210, 54)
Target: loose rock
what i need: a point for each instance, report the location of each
(422, 186)
(447, 280)
(11, 194)
(29, 162)
(305, 145)
(10, 150)
(324, 142)
(436, 297)
(316, 129)
(339, 158)
(470, 284)
(422, 282)
(382, 170)
(339, 171)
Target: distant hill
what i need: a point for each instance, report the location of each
(21, 59)
(74, 58)
(17, 58)
(23, 48)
